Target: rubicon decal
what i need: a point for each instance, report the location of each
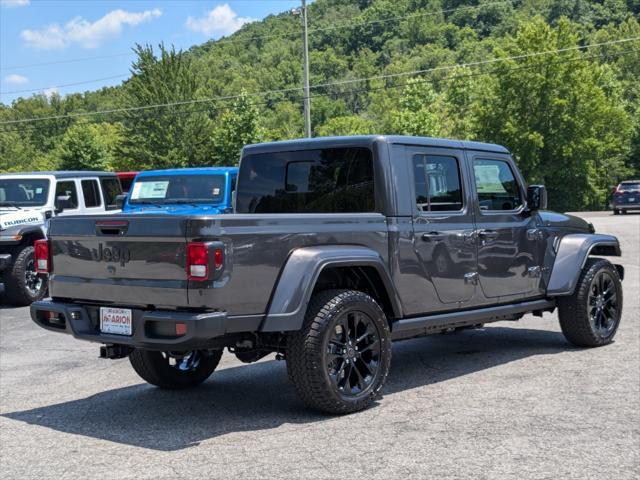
(121, 255)
(20, 221)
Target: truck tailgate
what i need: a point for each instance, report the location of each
(118, 260)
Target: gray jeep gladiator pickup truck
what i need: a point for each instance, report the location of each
(337, 247)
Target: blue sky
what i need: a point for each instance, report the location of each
(36, 32)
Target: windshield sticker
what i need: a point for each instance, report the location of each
(150, 190)
(488, 179)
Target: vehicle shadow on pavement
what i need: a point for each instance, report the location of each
(258, 396)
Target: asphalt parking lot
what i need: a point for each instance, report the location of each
(512, 400)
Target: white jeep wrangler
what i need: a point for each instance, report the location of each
(27, 202)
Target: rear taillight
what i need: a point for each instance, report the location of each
(199, 257)
(197, 261)
(43, 261)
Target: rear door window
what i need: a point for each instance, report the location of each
(437, 181)
(68, 189)
(334, 180)
(91, 193)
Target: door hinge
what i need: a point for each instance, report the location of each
(471, 278)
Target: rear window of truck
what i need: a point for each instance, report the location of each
(334, 180)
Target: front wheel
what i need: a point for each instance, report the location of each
(339, 361)
(175, 370)
(616, 211)
(590, 317)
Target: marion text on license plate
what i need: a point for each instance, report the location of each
(115, 320)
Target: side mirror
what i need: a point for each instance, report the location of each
(120, 199)
(62, 202)
(537, 197)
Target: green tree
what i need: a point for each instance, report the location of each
(175, 135)
(560, 114)
(348, 125)
(417, 112)
(87, 146)
(236, 127)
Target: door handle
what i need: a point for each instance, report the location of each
(488, 234)
(429, 236)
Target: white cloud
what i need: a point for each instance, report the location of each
(222, 20)
(83, 32)
(14, 3)
(15, 79)
(50, 92)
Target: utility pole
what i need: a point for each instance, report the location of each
(305, 45)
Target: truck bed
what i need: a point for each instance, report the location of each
(142, 263)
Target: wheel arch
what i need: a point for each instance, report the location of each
(571, 256)
(31, 234)
(311, 269)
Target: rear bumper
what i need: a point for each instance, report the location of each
(626, 206)
(151, 329)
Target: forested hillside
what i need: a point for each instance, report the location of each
(556, 81)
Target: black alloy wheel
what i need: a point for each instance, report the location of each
(353, 353)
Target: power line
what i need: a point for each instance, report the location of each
(64, 85)
(353, 91)
(71, 60)
(323, 85)
(249, 37)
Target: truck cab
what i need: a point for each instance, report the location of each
(207, 190)
(27, 202)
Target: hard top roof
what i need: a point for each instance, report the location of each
(64, 174)
(368, 140)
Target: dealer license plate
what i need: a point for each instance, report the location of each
(115, 320)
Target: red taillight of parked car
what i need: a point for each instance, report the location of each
(197, 261)
(43, 261)
(199, 256)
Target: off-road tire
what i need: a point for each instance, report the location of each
(573, 310)
(306, 350)
(16, 291)
(154, 369)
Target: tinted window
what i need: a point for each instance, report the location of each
(24, 193)
(496, 185)
(437, 183)
(110, 190)
(68, 189)
(629, 187)
(200, 188)
(90, 193)
(335, 180)
(126, 184)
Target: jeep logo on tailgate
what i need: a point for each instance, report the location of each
(120, 255)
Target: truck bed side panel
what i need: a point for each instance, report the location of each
(259, 246)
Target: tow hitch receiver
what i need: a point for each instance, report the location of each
(114, 351)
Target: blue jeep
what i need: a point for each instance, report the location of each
(182, 191)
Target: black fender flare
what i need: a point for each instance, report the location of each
(14, 236)
(297, 279)
(572, 253)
